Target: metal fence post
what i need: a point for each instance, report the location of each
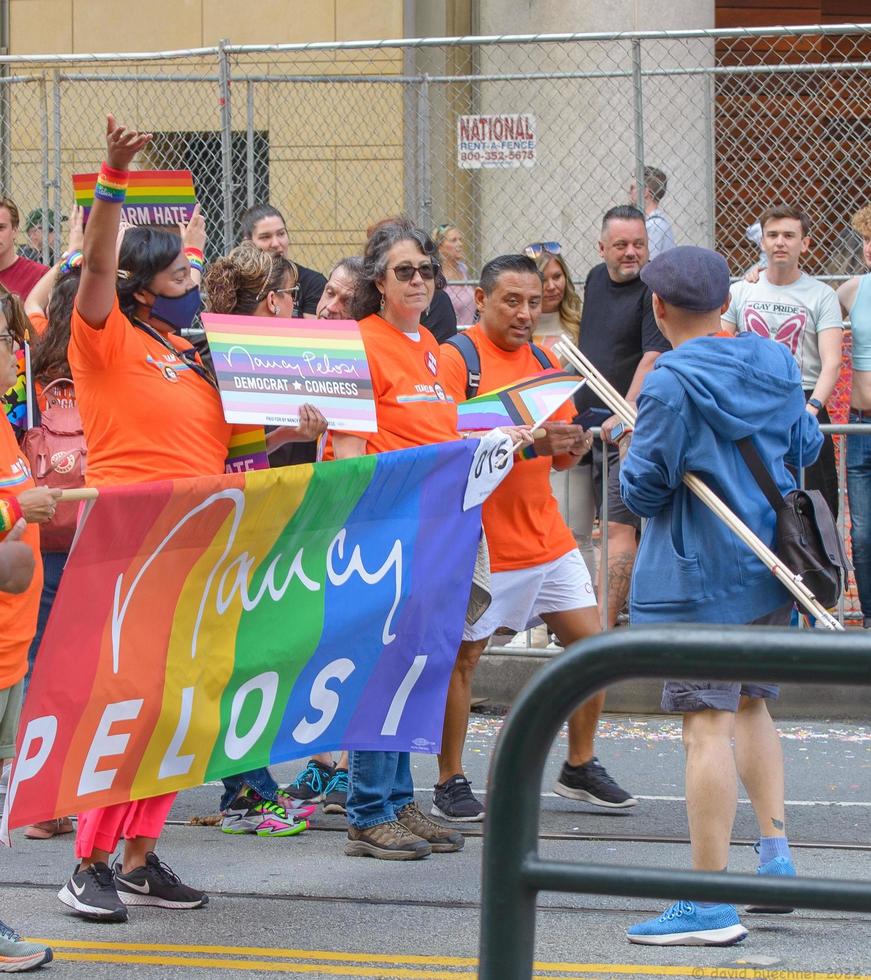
(711, 157)
(46, 182)
(249, 142)
(5, 126)
(638, 122)
(226, 142)
(58, 154)
(424, 192)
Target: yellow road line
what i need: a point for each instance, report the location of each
(120, 953)
(305, 954)
(267, 966)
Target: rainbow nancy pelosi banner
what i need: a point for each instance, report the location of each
(267, 367)
(154, 197)
(206, 627)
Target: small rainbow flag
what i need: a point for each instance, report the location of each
(247, 449)
(528, 402)
(154, 197)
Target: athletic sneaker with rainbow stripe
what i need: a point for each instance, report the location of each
(251, 814)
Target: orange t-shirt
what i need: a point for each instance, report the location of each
(521, 517)
(39, 322)
(146, 414)
(411, 405)
(18, 613)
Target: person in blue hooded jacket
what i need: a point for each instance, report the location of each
(709, 391)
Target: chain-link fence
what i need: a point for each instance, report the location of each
(512, 139)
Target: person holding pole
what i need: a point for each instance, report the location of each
(538, 573)
(712, 390)
(150, 411)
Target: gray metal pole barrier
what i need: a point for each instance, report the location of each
(514, 872)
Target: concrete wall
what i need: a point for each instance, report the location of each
(585, 127)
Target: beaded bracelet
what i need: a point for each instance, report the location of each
(195, 257)
(111, 185)
(10, 513)
(72, 260)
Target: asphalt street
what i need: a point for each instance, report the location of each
(297, 907)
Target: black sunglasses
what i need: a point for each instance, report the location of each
(405, 271)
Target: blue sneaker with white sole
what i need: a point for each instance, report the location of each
(688, 924)
(777, 867)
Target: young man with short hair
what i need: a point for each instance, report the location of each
(801, 313)
(17, 274)
(660, 235)
(537, 570)
(710, 391)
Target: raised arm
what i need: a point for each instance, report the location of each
(38, 297)
(96, 295)
(193, 238)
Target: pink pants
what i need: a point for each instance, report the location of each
(104, 827)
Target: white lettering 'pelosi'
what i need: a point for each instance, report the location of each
(107, 743)
(324, 700)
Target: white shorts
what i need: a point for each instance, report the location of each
(520, 597)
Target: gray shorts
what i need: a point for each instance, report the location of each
(681, 697)
(10, 711)
(618, 512)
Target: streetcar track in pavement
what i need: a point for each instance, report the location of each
(449, 904)
(468, 830)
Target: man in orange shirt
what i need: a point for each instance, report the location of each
(538, 572)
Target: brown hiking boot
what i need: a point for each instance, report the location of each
(389, 841)
(440, 838)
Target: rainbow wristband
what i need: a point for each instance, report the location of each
(72, 260)
(111, 185)
(10, 513)
(527, 452)
(196, 259)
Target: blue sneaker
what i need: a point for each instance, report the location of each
(777, 867)
(687, 924)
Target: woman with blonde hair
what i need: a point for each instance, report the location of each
(560, 302)
(449, 247)
(561, 314)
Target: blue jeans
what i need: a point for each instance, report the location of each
(260, 780)
(380, 785)
(52, 568)
(859, 490)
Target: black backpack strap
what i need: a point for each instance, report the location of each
(760, 472)
(471, 358)
(541, 357)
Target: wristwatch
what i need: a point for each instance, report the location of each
(817, 404)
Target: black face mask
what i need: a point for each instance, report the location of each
(178, 311)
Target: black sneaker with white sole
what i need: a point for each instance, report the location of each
(454, 800)
(591, 783)
(91, 893)
(155, 883)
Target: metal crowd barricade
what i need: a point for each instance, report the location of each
(513, 870)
